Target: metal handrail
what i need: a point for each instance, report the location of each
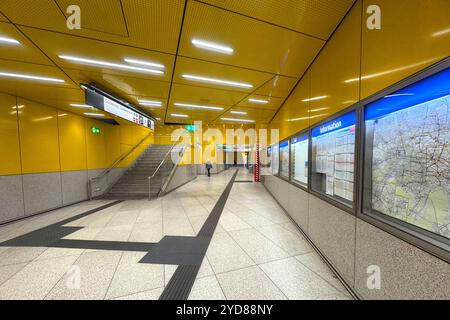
(115, 164)
(172, 172)
(160, 165)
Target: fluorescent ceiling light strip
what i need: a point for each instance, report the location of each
(237, 120)
(315, 98)
(259, 101)
(238, 112)
(217, 81)
(306, 118)
(194, 106)
(79, 105)
(94, 114)
(398, 95)
(110, 64)
(9, 40)
(318, 109)
(151, 103)
(29, 77)
(212, 46)
(144, 63)
(177, 115)
(441, 33)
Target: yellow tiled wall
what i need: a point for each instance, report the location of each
(36, 138)
(357, 62)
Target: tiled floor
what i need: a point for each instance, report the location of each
(255, 252)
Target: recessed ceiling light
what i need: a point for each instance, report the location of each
(237, 120)
(238, 112)
(177, 115)
(79, 105)
(145, 63)
(110, 64)
(150, 103)
(258, 101)
(217, 81)
(314, 98)
(94, 114)
(29, 77)
(207, 45)
(195, 106)
(9, 40)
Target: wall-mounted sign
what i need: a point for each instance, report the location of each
(95, 130)
(191, 128)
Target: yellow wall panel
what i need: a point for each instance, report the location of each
(339, 61)
(38, 137)
(72, 141)
(9, 136)
(96, 145)
(112, 141)
(412, 37)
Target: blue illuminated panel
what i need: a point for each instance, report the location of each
(431, 88)
(299, 139)
(345, 121)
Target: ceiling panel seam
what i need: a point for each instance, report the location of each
(260, 20)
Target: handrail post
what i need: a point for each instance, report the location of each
(149, 189)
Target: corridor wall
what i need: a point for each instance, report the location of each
(48, 155)
(356, 63)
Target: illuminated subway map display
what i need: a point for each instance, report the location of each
(408, 145)
(299, 153)
(275, 159)
(333, 158)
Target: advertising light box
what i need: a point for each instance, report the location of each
(407, 152)
(299, 154)
(333, 158)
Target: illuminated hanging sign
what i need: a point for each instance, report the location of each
(126, 113)
(99, 99)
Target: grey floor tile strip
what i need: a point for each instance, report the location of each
(52, 234)
(180, 285)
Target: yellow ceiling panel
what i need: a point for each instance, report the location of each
(257, 45)
(57, 44)
(279, 87)
(123, 85)
(272, 102)
(196, 114)
(263, 115)
(24, 51)
(206, 96)
(186, 66)
(2, 17)
(112, 19)
(313, 17)
(151, 24)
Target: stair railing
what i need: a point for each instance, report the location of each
(98, 184)
(164, 162)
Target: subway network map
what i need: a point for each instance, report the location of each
(411, 165)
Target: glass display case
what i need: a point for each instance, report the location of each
(407, 156)
(299, 159)
(333, 158)
(284, 159)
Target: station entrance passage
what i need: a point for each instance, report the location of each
(214, 238)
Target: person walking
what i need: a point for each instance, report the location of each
(208, 167)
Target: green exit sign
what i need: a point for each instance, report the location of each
(95, 130)
(190, 127)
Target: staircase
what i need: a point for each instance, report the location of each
(134, 183)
